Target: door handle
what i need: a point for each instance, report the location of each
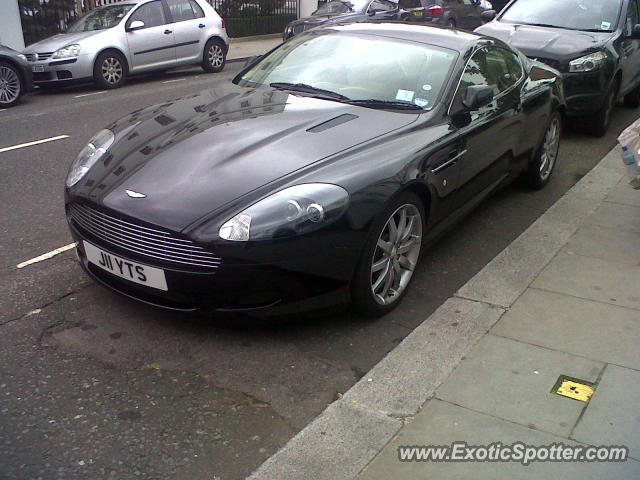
(168, 32)
(453, 158)
(202, 25)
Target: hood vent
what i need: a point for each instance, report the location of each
(334, 122)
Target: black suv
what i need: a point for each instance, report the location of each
(595, 44)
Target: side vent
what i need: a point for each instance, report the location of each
(334, 122)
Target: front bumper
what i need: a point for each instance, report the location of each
(62, 71)
(236, 287)
(586, 93)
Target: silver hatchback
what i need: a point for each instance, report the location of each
(129, 37)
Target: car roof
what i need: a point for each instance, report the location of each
(446, 37)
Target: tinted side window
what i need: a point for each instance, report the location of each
(632, 17)
(498, 71)
(151, 14)
(197, 10)
(180, 10)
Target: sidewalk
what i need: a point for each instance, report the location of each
(241, 49)
(562, 299)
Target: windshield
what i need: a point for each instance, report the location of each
(357, 68)
(333, 8)
(590, 15)
(101, 18)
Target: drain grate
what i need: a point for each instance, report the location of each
(574, 388)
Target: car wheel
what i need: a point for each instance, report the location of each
(390, 257)
(541, 167)
(601, 120)
(215, 57)
(110, 70)
(632, 99)
(10, 85)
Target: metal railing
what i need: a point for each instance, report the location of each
(44, 18)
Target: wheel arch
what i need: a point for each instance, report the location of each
(114, 49)
(218, 37)
(18, 70)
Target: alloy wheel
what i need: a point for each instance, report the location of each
(112, 70)
(9, 85)
(396, 254)
(215, 56)
(550, 149)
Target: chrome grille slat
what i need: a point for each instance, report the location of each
(41, 56)
(140, 240)
(152, 231)
(179, 250)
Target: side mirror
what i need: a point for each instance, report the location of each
(136, 25)
(251, 60)
(478, 96)
(488, 15)
(635, 32)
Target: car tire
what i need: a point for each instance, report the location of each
(389, 252)
(632, 99)
(10, 85)
(542, 165)
(110, 70)
(214, 57)
(599, 124)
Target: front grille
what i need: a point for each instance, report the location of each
(548, 61)
(41, 56)
(141, 241)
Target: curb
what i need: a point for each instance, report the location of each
(343, 440)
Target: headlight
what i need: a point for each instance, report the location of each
(21, 56)
(587, 63)
(68, 51)
(293, 211)
(89, 155)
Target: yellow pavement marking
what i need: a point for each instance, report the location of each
(46, 256)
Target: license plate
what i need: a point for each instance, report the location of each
(123, 268)
(37, 68)
(418, 14)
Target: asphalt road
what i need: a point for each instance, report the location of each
(93, 385)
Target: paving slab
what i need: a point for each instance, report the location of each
(581, 327)
(623, 193)
(401, 382)
(616, 216)
(347, 434)
(441, 423)
(605, 243)
(592, 278)
(612, 416)
(512, 380)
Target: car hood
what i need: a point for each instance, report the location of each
(545, 42)
(315, 20)
(196, 155)
(59, 41)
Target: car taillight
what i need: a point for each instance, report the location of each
(435, 10)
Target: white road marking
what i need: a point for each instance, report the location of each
(176, 80)
(46, 256)
(2, 109)
(89, 94)
(31, 144)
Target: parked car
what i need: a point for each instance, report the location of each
(595, 44)
(15, 77)
(464, 14)
(343, 11)
(317, 176)
(133, 36)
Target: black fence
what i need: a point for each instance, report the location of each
(43, 18)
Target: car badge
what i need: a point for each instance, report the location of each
(133, 194)
(35, 57)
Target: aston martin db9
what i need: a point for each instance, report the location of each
(317, 176)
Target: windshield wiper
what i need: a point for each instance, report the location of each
(394, 104)
(304, 88)
(545, 25)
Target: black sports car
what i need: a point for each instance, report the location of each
(317, 176)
